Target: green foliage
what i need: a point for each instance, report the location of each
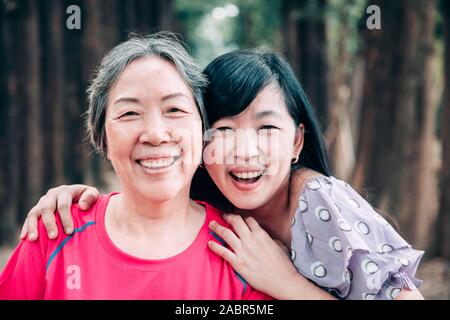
(209, 32)
(343, 18)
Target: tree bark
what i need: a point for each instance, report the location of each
(23, 59)
(7, 213)
(74, 99)
(305, 47)
(442, 239)
(145, 17)
(395, 155)
(52, 78)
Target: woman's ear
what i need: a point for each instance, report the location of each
(105, 147)
(299, 140)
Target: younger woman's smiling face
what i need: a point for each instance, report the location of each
(249, 155)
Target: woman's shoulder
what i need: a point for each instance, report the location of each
(306, 182)
(212, 212)
(82, 218)
(328, 199)
(301, 177)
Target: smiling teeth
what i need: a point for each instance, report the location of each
(248, 175)
(157, 164)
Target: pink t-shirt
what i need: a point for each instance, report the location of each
(87, 265)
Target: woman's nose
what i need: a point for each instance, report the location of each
(156, 131)
(247, 145)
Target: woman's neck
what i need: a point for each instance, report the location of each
(165, 227)
(275, 216)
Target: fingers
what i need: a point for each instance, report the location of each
(45, 208)
(48, 218)
(223, 252)
(252, 224)
(60, 198)
(31, 225)
(256, 230)
(226, 234)
(24, 231)
(64, 203)
(88, 197)
(238, 224)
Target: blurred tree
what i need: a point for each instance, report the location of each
(143, 16)
(258, 23)
(395, 151)
(74, 98)
(44, 70)
(7, 212)
(344, 86)
(442, 239)
(24, 140)
(304, 32)
(218, 26)
(51, 16)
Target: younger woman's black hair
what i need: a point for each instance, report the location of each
(235, 79)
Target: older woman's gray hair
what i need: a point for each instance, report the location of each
(166, 45)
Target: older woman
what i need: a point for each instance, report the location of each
(149, 241)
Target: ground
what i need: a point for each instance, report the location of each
(435, 274)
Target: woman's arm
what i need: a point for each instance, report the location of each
(266, 266)
(407, 294)
(261, 261)
(58, 199)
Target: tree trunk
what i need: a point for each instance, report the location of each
(103, 22)
(32, 84)
(395, 155)
(442, 239)
(145, 17)
(305, 47)
(338, 134)
(23, 89)
(7, 213)
(52, 78)
(74, 100)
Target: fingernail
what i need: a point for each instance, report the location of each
(68, 230)
(32, 236)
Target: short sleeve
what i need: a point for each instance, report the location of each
(23, 277)
(343, 245)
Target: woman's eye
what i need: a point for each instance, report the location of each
(174, 110)
(224, 129)
(269, 127)
(129, 114)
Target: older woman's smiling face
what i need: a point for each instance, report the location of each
(153, 130)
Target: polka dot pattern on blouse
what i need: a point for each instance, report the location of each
(343, 245)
